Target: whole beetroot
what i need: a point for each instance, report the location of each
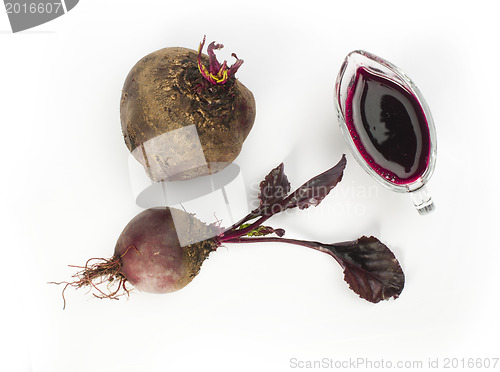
(184, 114)
(159, 251)
(161, 261)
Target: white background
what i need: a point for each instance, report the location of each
(66, 192)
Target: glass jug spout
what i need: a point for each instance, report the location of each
(422, 200)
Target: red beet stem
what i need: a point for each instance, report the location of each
(235, 233)
(305, 243)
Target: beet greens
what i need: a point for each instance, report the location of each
(370, 268)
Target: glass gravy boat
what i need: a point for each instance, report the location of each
(387, 124)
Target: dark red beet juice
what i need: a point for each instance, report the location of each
(388, 127)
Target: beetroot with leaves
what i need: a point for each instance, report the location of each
(184, 114)
(162, 249)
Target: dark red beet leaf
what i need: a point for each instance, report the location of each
(370, 268)
(273, 189)
(273, 197)
(317, 188)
